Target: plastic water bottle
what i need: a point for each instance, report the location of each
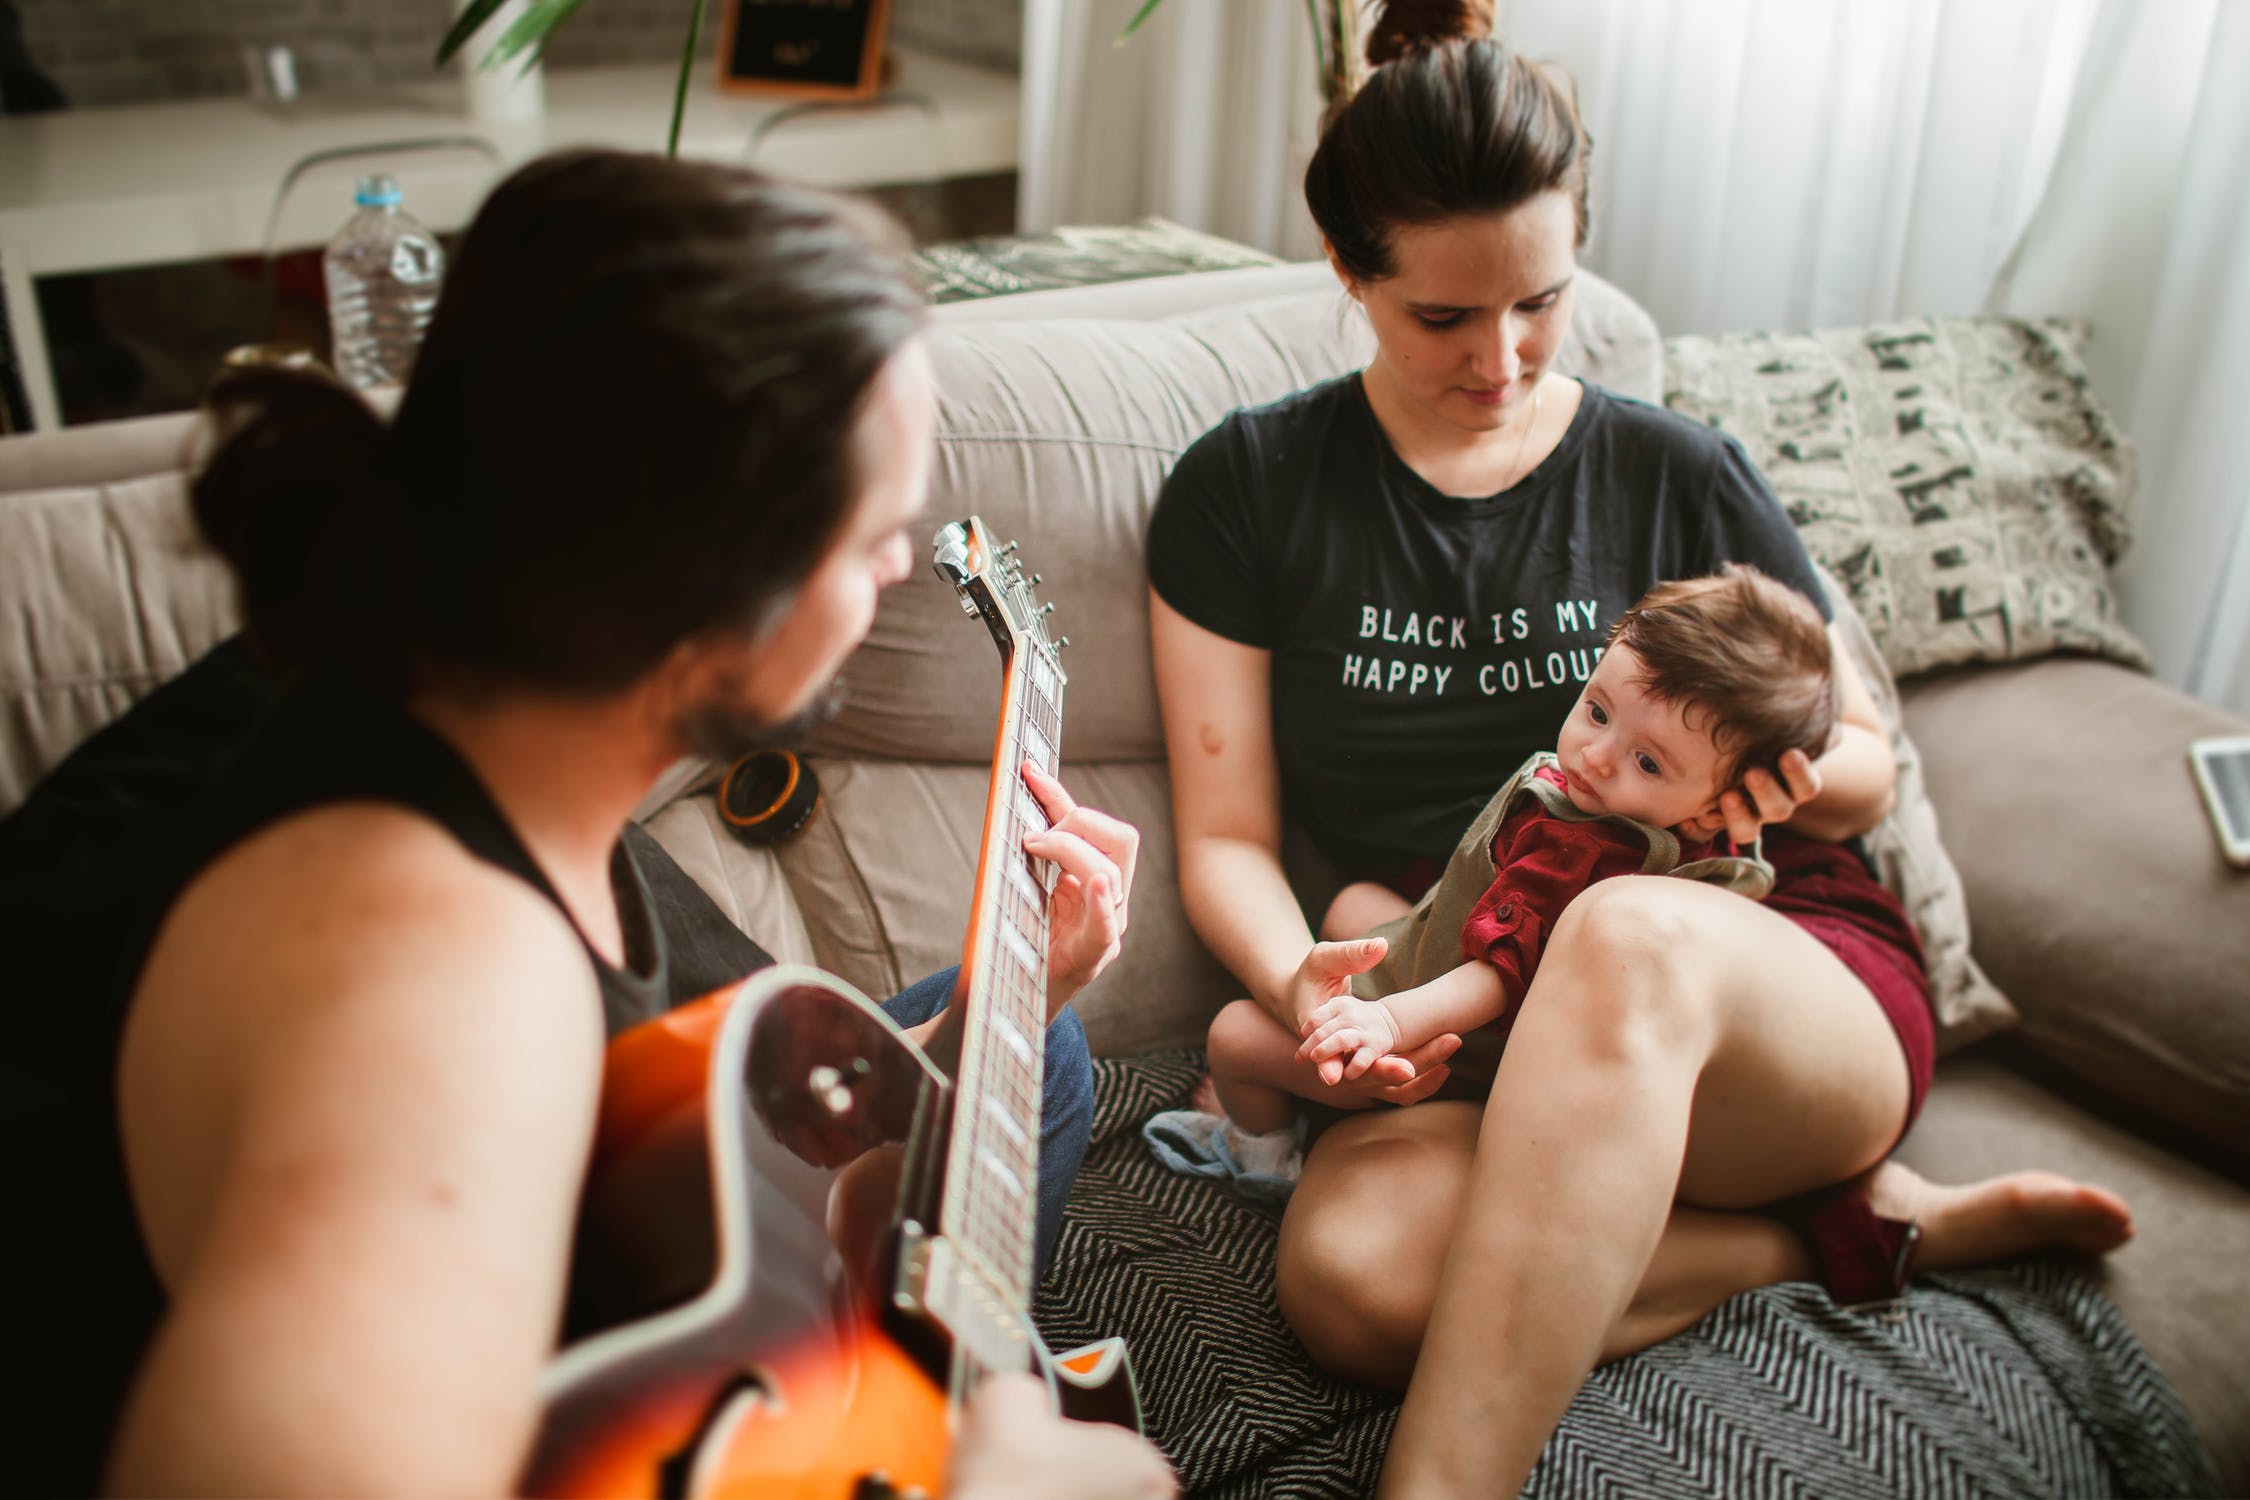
(383, 272)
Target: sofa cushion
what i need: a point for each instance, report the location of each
(2101, 902)
(1059, 433)
(1912, 861)
(110, 593)
(1957, 474)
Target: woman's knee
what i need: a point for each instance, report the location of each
(1364, 1241)
(1238, 1032)
(1347, 1289)
(1358, 909)
(1628, 958)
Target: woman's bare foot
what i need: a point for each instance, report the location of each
(2023, 1213)
(1206, 1097)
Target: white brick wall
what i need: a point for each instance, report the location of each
(133, 51)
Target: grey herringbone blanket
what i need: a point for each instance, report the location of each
(2016, 1381)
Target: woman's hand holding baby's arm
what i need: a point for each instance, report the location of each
(1325, 974)
(1346, 1035)
(1349, 1035)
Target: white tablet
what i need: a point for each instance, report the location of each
(2222, 769)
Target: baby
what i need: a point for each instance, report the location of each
(1699, 682)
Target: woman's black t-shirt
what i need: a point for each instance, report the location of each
(1423, 645)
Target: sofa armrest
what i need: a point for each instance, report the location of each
(2097, 895)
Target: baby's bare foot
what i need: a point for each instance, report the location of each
(2023, 1213)
(1206, 1097)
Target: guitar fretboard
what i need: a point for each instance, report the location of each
(990, 1208)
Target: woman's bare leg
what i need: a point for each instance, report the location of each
(1360, 908)
(1678, 1042)
(1365, 1239)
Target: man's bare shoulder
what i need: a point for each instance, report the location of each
(343, 961)
(357, 1092)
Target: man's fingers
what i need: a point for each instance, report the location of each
(1117, 839)
(1051, 794)
(1074, 856)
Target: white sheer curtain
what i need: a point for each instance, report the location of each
(1205, 117)
(2145, 229)
(1810, 163)
(1816, 163)
(1797, 164)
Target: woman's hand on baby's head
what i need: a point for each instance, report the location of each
(1764, 798)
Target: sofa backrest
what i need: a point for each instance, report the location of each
(1060, 415)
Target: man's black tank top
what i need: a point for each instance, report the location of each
(312, 746)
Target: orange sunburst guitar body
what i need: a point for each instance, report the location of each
(801, 1242)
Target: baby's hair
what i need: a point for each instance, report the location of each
(1743, 656)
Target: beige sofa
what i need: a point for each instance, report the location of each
(2098, 901)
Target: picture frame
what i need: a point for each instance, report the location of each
(803, 49)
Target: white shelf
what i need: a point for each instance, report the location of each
(155, 184)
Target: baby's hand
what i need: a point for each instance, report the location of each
(1345, 1035)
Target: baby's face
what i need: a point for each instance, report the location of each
(1627, 752)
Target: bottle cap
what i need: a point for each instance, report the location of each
(377, 190)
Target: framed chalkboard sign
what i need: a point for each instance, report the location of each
(810, 49)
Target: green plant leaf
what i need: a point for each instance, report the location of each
(1134, 25)
(466, 25)
(532, 27)
(687, 69)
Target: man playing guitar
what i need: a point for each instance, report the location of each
(668, 438)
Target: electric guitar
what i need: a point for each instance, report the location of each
(808, 1240)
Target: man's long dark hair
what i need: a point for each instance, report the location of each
(630, 423)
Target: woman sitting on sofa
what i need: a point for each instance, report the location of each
(1368, 601)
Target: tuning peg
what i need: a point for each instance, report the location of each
(1046, 609)
(1005, 551)
(1035, 579)
(1061, 641)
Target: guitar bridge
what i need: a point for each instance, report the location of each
(936, 1282)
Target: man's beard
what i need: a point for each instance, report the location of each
(725, 731)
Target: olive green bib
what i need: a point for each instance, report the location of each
(1426, 941)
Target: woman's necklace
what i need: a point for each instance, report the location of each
(1515, 465)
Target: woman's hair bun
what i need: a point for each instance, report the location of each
(1402, 26)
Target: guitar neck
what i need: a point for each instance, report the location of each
(990, 1206)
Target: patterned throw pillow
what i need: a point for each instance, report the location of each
(1911, 860)
(1956, 473)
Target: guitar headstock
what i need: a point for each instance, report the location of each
(992, 584)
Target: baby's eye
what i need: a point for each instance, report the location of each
(1595, 709)
(1648, 764)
